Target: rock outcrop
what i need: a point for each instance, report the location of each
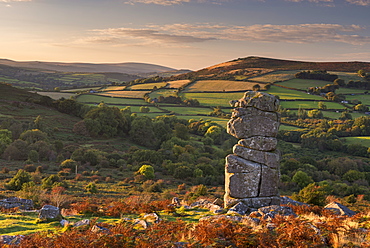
(15, 202)
(252, 172)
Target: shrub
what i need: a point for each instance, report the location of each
(91, 188)
(68, 163)
(147, 171)
(18, 180)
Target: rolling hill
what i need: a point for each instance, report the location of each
(129, 68)
(243, 68)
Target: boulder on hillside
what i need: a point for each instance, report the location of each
(15, 202)
(284, 200)
(49, 212)
(84, 222)
(239, 208)
(339, 209)
(273, 210)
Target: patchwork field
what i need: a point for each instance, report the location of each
(219, 85)
(109, 100)
(275, 76)
(365, 99)
(148, 86)
(111, 88)
(177, 83)
(189, 110)
(347, 76)
(291, 94)
(163, 92)
(214, 99)
(303, 84)
(349, 91)
(124, 93)
(363, 140)
(80, 89)
(309, 104)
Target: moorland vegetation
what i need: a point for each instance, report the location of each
(116, 157)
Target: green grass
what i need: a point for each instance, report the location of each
(309, 104)
(363, 140)
(303, 84)
(163, 92)
(214, 99)
(347, 76)
(110, 100)
(78, 90)
(349, 91)
(219, 85)
(365, 99)
(189, 110)
(289, 128)
(275, 76)
(291, 94)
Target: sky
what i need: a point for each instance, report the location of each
(184, 34)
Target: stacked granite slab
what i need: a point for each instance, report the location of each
(252, 172)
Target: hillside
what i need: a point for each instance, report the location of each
(129, 68)
(254, 66)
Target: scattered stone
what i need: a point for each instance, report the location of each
(218, 201)
(153, 217)
(84, 222)
(15, 202)
(272, 211)
(176, 202)
(284, 200)
(64, 222)
(49, 212)
(11, 240)
(180, 245)
(207, 205)
(239, 208)
(97, 229)
(339, 209)
(142, 223)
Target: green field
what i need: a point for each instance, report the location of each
(189, 110)
(363, 140)
(347, 76)
(214, 99)
(163, 92)
(109, 100)
(147, 86)
(275, 76)
(309, 104)
(219, 85)
(303, 84)
(349, 91)
(78, 90)
(289, 128)
(365, 99)
(291, 94)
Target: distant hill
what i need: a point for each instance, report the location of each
(129, 68)
(253, 66)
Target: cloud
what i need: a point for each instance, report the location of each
(179, 34)
(12, 1)
(173, 2)
(151, 35)
(359, 2)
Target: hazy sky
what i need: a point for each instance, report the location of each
(184, 34)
